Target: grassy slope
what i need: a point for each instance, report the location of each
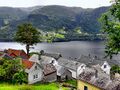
(51, 86)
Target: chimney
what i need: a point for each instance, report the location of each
(89, 55)
(96, 73)
(40, 53)
(95, 57)
(39, 56)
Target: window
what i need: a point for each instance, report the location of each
(35, 67)
(82, 66)
(105, 66)
(35, 76)
(85, 88)
(53, 62)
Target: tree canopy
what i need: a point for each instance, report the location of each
(111, 27)
(12, 71)
(27, 34)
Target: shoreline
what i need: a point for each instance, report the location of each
(59, 40)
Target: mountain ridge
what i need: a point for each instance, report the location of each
(52, 18)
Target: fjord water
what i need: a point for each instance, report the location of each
(72, 49)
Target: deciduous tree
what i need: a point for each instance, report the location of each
(27, 34)
(111, 27)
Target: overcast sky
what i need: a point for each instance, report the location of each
(77, 3)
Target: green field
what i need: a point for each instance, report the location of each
(50, 86)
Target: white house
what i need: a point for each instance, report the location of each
(42, 68)
(74, 67)
(93, 61)
(34, 71)
(106, 67)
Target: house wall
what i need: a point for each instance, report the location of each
(73, 73)
(81, 84)
(33, 72)
(107, 69)
(68, 75)
(50, 78)
(79, 70)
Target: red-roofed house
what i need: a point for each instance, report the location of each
(17, 53)
(34, 71)
(27, 64)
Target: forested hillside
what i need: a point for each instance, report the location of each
(76, 22)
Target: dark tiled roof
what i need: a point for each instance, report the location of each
(49, 69)
(102, 80)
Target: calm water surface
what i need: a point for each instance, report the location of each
(67, 49)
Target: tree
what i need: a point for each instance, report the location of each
(20, 77)
(27, 34)
(110, 22)
(52, 36)
(8, 68)
(115, 69)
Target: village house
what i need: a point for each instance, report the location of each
(71, 68)
(39, 73)
(105, 64)
(41, 59)
(34, 71)
(46, 71)
(50, 73)
(17, 53)
(96, 79)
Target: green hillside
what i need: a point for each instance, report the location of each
(52, 18)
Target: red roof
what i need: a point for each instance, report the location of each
(17, 53)
(12, 55)
(27, 64)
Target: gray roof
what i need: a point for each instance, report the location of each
(34, 58)
(54, 55)
(89, 61)
(43, 59)
(102, 80)
(69, 63)
(60, 70)
(5, 55)
(46, 59)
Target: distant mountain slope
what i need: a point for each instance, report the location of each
(53, 17)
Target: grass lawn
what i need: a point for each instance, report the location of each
(72, 82)
(49, 86)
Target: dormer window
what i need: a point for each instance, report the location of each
(105, 66)
(82, 66)
(52, 61)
